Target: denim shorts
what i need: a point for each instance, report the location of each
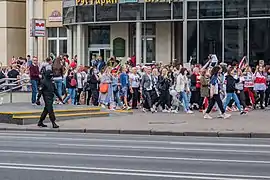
(124, 91)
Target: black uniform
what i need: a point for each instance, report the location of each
(48, 89)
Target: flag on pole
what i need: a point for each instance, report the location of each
(242, 63)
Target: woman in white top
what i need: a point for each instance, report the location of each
(135, 84)
(182, 87)
(81, 80)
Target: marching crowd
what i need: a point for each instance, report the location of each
(156, 87)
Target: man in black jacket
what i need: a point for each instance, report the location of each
(47, 89)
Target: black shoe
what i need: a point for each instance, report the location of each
(42, 125)
(55, 125)
(243, 112)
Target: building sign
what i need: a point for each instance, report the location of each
(37, 28)
(55, 17)
(98, 2)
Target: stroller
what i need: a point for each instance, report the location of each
(176, 103)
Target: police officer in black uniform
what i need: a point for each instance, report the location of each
(48, 89)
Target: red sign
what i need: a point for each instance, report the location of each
(40, 24)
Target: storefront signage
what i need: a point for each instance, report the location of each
(55, 17)
(98, 2)
(38, 28)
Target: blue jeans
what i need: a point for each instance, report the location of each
(117, 98)
(72, 95)
(235, 98)
(185, 100)
(34, 84)
(59, 86)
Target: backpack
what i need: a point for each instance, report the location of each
(42, 71)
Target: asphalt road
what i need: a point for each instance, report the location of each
(69, 156)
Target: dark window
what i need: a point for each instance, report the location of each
(210, 39)
(62, 32)
(235, 8)
(259, 8)
(68, 15)
(52, 32)
(107, 12)
(158, 11)
(131, 11)
(99, 35)
(259, 40)
(150, 29)
(192, 10)
(85, 13)
(62, 47)
(192, 40)
(177, 10)
(210, 9)
(235, 36)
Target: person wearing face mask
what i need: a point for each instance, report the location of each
(48, 90)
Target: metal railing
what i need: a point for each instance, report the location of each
(9, 85)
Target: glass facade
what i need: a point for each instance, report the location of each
(230, 29)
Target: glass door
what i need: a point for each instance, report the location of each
(105, 54)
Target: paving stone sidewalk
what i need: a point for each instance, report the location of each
(255, 122)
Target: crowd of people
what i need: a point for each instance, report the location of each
(152, 88)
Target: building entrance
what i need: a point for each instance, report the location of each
(104, 52)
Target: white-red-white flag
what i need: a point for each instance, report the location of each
(242, 63)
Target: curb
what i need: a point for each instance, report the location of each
(146, 132)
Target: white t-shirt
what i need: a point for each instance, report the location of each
(135, 80)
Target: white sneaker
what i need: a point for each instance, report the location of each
(103, 106)
(207, 116)
(128, 108)
(174, 111)
(226, 116)
(144, 110)
(189, 112)
(60, 103)
(165, 111)
(1, 100)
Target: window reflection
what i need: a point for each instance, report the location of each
(235, 40)
(210, 39)
(178, 10)
(158, 11)
(131, 11)
(85, 13)
(235, 8)
(107, 12)
(192, 40)
(99, 35)
(68, 15)
(259, 42)
(259, 8)
(192, 10)
(210, 9)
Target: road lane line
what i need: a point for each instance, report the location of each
(165, 148)
(137, 157)
(123, 173)
(140, 141)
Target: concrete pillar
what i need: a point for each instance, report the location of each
(74, 42)
(185, 58)
(69, 41)
(30, 17)
(138, 40)
(81, 44)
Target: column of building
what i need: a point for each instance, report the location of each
(138, 39)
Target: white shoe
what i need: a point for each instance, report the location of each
(1, 100)
(189, 112)
(226, 116)
(207, 116)
(144, 110)
(174, 111)
(165, 111)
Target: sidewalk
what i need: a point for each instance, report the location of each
(255, 124)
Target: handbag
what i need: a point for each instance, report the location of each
(103, 88)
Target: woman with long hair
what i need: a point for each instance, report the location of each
(182, 87)
(81, 79)
(214, 94)
(230, 90)
(248, 86)
(71, 84)
(260, 84)
(106, 92)
(92, 86)
(134, 79)
(164, 83)
(58, 73)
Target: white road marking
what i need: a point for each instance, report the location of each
(137, 157)
(129, 172)
(165, 148)
(140, 141)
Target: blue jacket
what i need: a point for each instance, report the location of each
(100, 65)
(124, 80)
